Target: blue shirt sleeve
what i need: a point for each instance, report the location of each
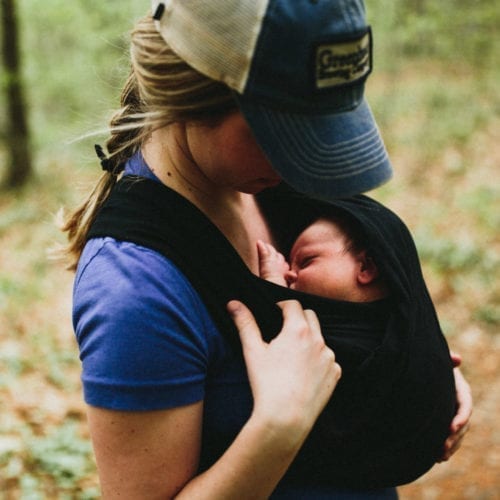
(145, 337)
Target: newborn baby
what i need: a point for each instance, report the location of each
(327, 259)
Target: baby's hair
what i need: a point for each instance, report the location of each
(161, 89)
(350, 227)
(357, 241)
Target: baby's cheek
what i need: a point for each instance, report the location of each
(308, 282)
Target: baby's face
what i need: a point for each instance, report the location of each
(321, 264)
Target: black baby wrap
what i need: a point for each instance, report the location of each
(389, 415)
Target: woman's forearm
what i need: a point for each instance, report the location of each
(252, 466)
(154, 454)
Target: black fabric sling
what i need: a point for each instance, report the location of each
(389, 416)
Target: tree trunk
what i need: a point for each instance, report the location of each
(19, 167)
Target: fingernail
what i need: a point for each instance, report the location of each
(233, 307)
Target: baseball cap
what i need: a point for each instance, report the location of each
(297, 69)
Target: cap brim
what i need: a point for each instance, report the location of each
(326, 156)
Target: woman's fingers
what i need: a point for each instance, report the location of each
(464, 401)
(293, 376)
(312, 320)
(295, 318)
(456, 359)
(250, 335)
(314, 324)
(460, 423)
(453, 443)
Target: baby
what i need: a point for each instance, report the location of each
(327, 259)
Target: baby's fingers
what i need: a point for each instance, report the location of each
(267, 251)
(262, 249)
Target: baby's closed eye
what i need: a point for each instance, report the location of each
(306, 261)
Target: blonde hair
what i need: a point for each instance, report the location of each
(161, 89)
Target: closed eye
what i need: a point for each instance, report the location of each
(306, 261)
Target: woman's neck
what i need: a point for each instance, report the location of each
(237, 215)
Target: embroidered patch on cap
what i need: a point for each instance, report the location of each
(343, 62)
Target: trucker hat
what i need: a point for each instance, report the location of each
(297, 69)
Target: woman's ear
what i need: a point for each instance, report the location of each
(367, 271)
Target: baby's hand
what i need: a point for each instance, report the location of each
(272, 264)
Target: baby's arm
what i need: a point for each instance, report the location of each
(272, 264)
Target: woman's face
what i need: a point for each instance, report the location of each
(229, 156)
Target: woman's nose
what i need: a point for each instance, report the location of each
(290, 277)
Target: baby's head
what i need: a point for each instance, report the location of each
(330, 259)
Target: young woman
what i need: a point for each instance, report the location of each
(173, 409)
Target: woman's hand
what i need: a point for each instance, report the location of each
(154, 454)
(293, 376)
(460, 423)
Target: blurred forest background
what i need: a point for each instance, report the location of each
(435, 94)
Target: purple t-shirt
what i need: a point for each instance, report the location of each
(147, 342)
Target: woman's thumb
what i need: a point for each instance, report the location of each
(248, 329)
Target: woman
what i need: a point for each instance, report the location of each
(165, 391)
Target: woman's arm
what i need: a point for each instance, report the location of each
(149, 454)
(155, 454)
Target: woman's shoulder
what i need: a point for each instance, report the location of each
(123, 280)
(140, 326)
(106, 262)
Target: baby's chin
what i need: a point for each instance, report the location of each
(307, 289)
(326, 294)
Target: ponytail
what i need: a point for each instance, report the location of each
(122, 143)
(160, 89)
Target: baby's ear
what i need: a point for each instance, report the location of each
(367, 271)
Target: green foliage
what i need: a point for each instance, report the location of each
(466, 267)
(483, 202)
(75, 59)
(452, 48)
(489, 314)
(434, 89)
(450, 256)
(54, 465)
(463, 32)
(423, 111)
(63, 455)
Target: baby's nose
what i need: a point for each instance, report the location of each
(290, 277)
